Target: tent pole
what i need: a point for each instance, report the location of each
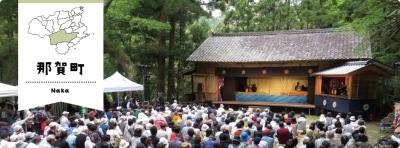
(143, 90)
(118, 98)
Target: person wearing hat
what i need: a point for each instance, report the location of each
(48, 142)
(64, 122)
(244, 137)
(235, 142)
(164, 142)
(267, 138)
(3, 127)
(147, 132)
(353, 121)
(123, 144)
(71, 139)
(210, 142)
(104, 125)
(19, 122)
(351, 144)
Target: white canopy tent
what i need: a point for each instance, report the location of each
(8, 90)
(119, 83)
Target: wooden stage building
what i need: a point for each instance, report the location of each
(302, 69)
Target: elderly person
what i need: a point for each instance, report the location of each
(186, 128)
(114, 134)
(322, 138)
(19, 122)
(82, 140)
(71, 139)
(48, 142)
(35, 142)
(64, 122)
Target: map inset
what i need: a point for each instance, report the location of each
(64, 29)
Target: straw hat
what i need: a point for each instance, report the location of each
(52, 124)
(351, 143)
(123, 144)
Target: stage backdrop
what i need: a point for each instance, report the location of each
(277, 85)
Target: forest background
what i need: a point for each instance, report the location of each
(163, 33)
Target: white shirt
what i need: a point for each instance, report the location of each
(113, 134)
(262, 144)
(45, 144)
(32, 145)
(3, 144)
(64, 122)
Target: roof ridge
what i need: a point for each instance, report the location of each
(309, 31)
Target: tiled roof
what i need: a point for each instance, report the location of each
(344, 69)
(317, 44)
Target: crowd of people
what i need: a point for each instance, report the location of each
(180, 126)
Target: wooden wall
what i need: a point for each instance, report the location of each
(367, 78)
(205, 74)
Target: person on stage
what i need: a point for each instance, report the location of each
(343, 89)
(298, 87)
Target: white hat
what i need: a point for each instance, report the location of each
(230, 110)
(356, 127)
(338, 116)
(323, 120)
(352, 118)
(119, 107)
(128, 113)
(13, 138)
(123, 117)
(61, 129)
(306, 139)
(222, 105)
(21, 136)
(164, 141)
(75, 132)
(123, 144)
(65, 112)
(103, 120)
(17, 128)
(148, 126)
(52, 124)
(322, 116)
(204, 127)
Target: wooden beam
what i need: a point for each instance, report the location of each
(372, 68)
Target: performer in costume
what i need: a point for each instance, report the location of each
(298, 87)
(343, 89)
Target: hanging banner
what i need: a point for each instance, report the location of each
(60, 52)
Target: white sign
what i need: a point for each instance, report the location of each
(60, 53)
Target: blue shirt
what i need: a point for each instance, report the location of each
(71, 140)
(210, 142)
(15, 124)
(269, 140)
(109, 114)
(104, 128)
(71, 129)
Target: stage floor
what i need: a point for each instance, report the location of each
(271, 98)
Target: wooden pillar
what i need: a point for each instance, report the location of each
(349, 86)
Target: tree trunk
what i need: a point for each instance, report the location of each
(171, 61)
(161, 56)
(106, 5)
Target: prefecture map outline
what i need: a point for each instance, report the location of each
(64, 28)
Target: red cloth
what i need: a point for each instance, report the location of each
(254, 118)
(43, 126)
(173, 136)
(287, 119)
(283, 135)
